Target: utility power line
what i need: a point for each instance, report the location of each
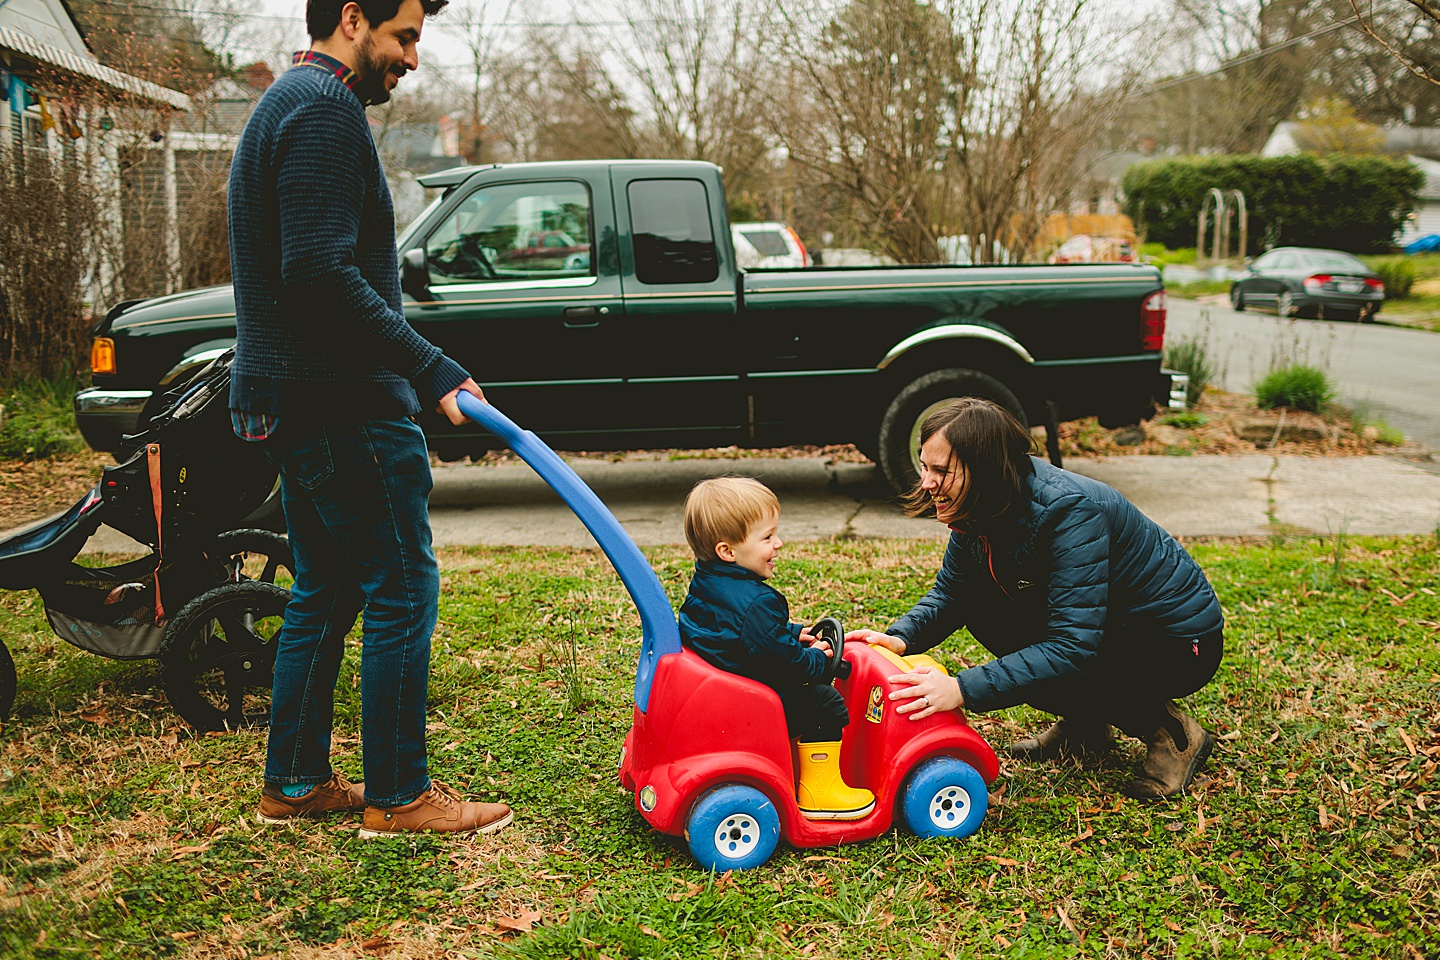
(441, 21)
(1250, 57)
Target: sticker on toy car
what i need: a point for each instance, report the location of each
(876, 707)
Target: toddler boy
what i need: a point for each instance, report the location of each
(738, 623)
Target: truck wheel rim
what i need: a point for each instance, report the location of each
(915, 431)
(737, 836)
(949, 807)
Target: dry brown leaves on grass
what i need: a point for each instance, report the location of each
(1226, 415)
(34, 489)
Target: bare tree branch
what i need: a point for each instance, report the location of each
(1429, 9)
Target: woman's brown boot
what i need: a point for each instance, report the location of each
(1174, 752)
(1067, 737)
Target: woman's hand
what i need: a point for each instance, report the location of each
(893, 644)
(928, 690)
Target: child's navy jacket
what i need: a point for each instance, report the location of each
(737, 622)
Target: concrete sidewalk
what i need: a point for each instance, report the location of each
(1189, 496)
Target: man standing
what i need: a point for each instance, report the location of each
(328, 374)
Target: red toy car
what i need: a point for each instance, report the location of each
(709, 755)
(710, 759)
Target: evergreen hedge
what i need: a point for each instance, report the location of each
(1343, 202)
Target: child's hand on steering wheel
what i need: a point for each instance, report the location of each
(809, 639)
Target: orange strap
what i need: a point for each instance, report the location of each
(152, 459)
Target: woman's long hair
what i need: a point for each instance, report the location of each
(990, 447)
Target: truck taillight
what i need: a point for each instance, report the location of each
(102, 355)
(1152, 322)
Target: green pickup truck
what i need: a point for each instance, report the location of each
(599, 304)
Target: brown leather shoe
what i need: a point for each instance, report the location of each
(439, 809)
(1171, 761)
(336, 795)
(1066, 738)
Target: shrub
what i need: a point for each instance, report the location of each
(1397, 273)
(1161, 255)
(1351, 203)
(1297, 386)
(48, 234)
(1191, 357)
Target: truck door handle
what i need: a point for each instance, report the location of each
(581, 313)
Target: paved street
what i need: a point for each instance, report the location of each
(1391, 372)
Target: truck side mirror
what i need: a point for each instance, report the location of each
(415, 275)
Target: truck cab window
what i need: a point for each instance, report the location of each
(514, 231)
(670, 223)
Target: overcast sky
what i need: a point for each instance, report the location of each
(439, 47)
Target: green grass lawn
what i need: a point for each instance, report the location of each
(1312, 833)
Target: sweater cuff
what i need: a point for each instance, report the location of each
(440, 378)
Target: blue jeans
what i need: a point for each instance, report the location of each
(356, 501)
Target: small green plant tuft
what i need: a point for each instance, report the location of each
(1186, 419)
(572, 678)
(1296, 386)
(1397, 273)
(1191, 356)
(37, 421)
(1387, 435)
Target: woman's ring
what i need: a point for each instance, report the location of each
(926, 701)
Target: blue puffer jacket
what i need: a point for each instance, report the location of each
(740, 623)
(1041, 587)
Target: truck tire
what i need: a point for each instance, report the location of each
(900, 427)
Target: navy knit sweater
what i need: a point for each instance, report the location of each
(320, 331)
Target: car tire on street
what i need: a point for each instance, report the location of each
(1237, 298)
(900, 427)
(1285, 305)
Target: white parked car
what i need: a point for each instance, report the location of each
(768, 244)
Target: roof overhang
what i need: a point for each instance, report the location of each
(55, 58)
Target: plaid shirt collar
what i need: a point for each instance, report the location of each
(312, 58)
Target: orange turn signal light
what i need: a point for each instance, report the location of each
(102, 355)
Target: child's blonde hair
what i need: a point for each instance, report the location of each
(723, 509)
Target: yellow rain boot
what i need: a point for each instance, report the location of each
(822, 793)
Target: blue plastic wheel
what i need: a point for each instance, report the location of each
(945, 797)
(732, 827)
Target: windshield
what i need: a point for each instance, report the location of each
(403, 242)
(1333, 260)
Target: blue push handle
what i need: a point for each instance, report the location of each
(660, 634)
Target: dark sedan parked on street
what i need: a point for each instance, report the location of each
(1306, 282)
